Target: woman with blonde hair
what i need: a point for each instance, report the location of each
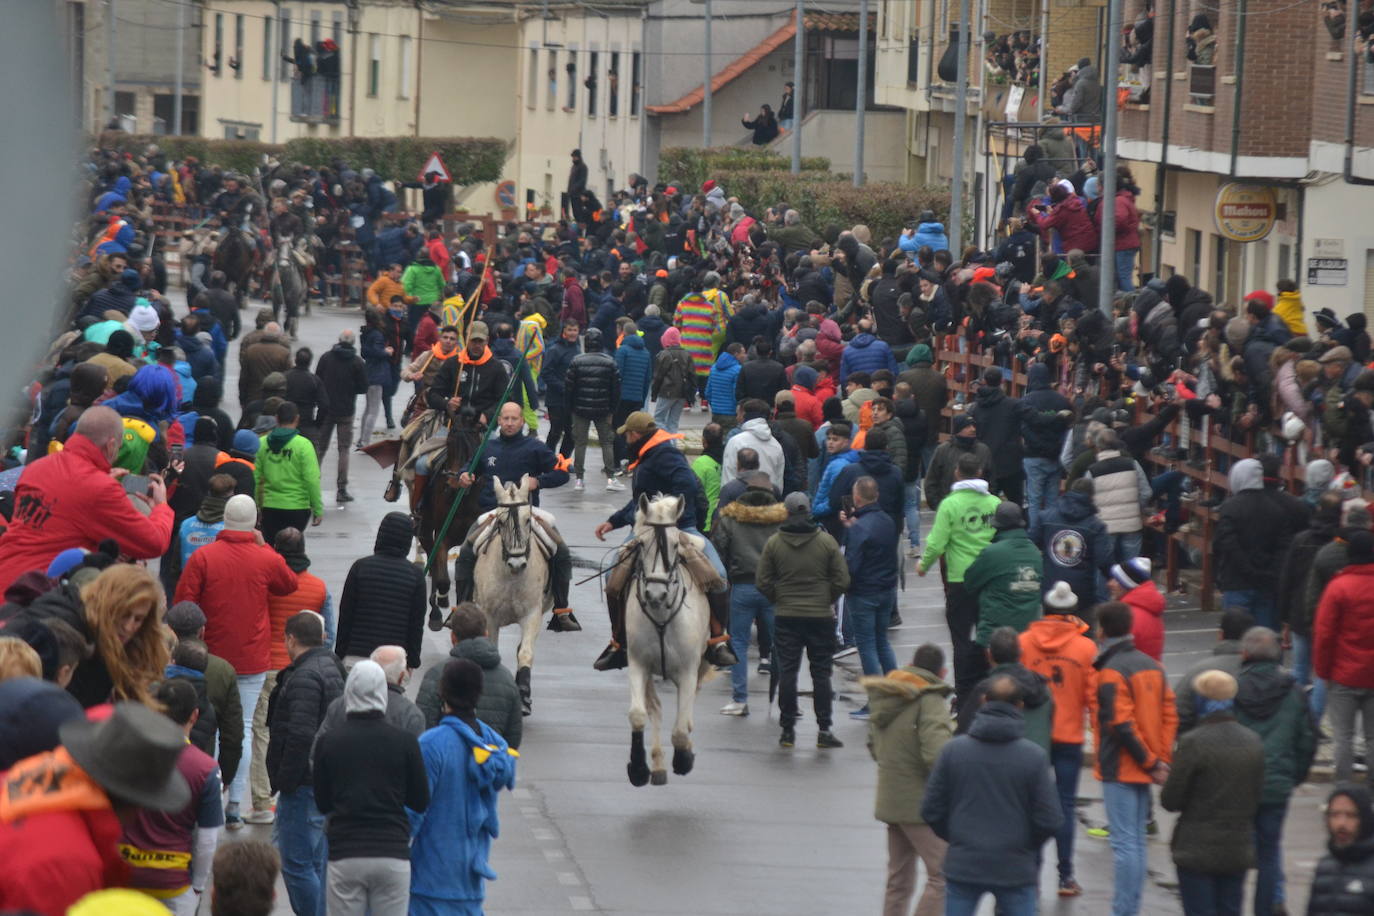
(18, 659)
(124, 607)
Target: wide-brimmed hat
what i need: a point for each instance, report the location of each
(132, 755)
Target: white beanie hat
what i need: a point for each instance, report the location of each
(144, 318)
(240, 513)
(1061, 598)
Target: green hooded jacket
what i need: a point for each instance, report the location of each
(963, 527)
(908, 725)
(1006, 580)
(286, 473)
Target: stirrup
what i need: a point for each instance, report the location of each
(612, 657)
(564, 622)
(721, 655)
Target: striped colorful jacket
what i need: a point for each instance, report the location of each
(699, 320)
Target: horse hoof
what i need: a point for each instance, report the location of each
(659, 777)
(639, 774)
(682, 761)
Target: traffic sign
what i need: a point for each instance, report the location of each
(435, 164)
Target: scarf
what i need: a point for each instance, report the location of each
(469, 361)
(437, 352)
(212, 509)
(277, 438)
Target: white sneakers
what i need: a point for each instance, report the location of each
(579, 486)
(613, 485)
(735, 709)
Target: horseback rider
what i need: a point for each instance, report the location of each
(660, 468)
(235, 203)
(510, 458)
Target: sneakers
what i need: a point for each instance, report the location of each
(735, 709)
(343, 496)
(895, 621)
(913, 552)
(1069, 888)
(860, 714)
(579, 486)
(614, 486)
(828, 740)
(259, 817)
(788, 738)
(233, 822)
(765, 666)
(1100, 833)
(846, 651)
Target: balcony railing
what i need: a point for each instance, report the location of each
(1202, 83)
(315, 98)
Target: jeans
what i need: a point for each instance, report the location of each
(912, 507)
(871, 615)
(905, 843)
(1042, 487)
(961, 899)
(746, 604)
(1259, 602)
(371, 409)
(259, 787)
(605, 435)
(1211, 895)
(1067, 762)
(342, 427)
(1345, 703)
(1125, 546)
(1269, 881)
(668, 413)
(1128, 809)
(815, 635)
(1302, 670)
(250, 688)
(369, 886)
(1125, 269)
(298, 834)
(970, 661)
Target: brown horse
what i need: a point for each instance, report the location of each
(237, 256)
(464, 439)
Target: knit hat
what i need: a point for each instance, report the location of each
(1260, 295)
(708, 186)
(65, 562)
(240, 513)
(246, 442)
(962, 422)
(1060, 598)
(204, 432)
(1130, 573)
(797, 504)
(1092, 188)
(671, 338)
(185, 618)
(1237, 330)
(130, 279)
(144, 318)
(1336, 354)
(806, 377)
(1008, 516)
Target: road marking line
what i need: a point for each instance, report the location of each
(569, 879)
(543, 834)
(581, 903)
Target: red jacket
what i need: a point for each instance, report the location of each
(69, 499)
(232, 580)
(1343, 631)
(1127, 221)
(439, 255)
(574, 304)
(309, 596)
(1147, 607)
(1071, 218)
(59, 838)
(808, 406)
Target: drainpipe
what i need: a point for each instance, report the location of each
(1240, 83)
(419, 60)
(1157, 241)
(353, 15)
(1348, 171)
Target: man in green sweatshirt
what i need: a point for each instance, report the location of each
(963, 527)
(287, 477)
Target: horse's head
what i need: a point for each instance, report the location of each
(513, 506)
(656, 528)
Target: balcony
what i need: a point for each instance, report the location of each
(315, 99)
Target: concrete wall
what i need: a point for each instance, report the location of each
(830, 133)
(1339, 211)
(762, 83)
(469, 89)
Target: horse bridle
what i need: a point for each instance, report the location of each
(670, 580)
(509, 528)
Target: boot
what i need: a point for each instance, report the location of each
(562, 620)
(718, 651)
(417, 492)
(463, 583)
(614, 654)
(393, 491)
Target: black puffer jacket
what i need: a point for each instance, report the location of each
(593, 384)
(344, 377)
(304, 690)
(499, 705)
(999, 428)
(383, 602)
(1042, 421)
(1344, 883)
(305, 389)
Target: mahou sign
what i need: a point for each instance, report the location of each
(1245, 212)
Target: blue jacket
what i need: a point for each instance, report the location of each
(891, 487)
(393, 247)
(604, 321)
(508, 460)
(720, 384)
(373, 346)
(662, 468)
(636, 369)
(821, 506)
(120, 243)
(195, 534)
(866, 353)
(200, 357)
(553, 374)
(218, 342)
(451, 841)
(651, 329)
(504, 349)
(119, 194)
(870, 550)
(932, 234)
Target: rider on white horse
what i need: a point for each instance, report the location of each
(660, 468)
(510, 458)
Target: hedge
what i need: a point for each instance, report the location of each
(471, 160)
(688, 167)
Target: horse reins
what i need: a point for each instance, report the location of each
(671, 581)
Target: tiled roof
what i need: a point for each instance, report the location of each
(815, 22)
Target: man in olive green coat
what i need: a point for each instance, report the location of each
(908, 724)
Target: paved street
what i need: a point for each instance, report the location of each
(755, 828)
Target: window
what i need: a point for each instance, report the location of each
(164, 108)
(593, 61)
(374, 64)
(406, 64)
(236, 62)
(314, 29)
(551, 99)
(532, 79)
(336, 31)
(125, 103)
(1192, 252)
(215, 64)
(636, 74)
(267, 47)
(913, 58)
(287, 46)
(613, 86)
(235, 131)
(1368, 305)
(572, 81)
(1258, 253)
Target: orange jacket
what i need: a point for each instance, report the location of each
(383, 288)
(309, 596)
(1136, 716)
(1056, 648)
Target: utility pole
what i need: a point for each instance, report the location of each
(861, 96)
(1106, 284)
(956, 185)
(181, 42)
(798, 83)
(276, 68)
(1043, 89)
(109, 60)
(706, 85)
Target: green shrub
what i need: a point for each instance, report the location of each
(688, 167)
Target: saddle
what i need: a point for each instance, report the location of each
(691, 554)
(483, 531)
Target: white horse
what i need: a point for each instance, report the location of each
(667, 621)
(511, 577)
